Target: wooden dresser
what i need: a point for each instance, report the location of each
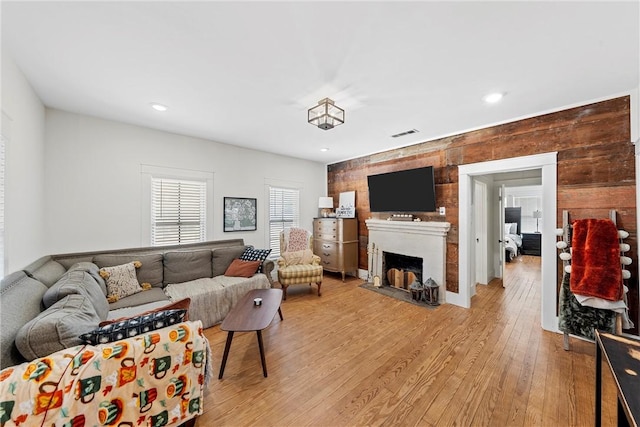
(335, 241)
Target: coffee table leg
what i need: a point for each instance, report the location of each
(264, 363)
(227, 346)
(280, 313)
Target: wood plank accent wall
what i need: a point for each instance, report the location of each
(596, 170)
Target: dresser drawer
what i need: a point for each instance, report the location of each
(327, 229)
(328, 252)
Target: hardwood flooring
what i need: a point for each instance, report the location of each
(354, 357)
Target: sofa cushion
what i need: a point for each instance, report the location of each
(46, 270)
(121, 280)
(240, 268)
(20, 301)
(94, 271)
(150, 271)
(134, 326)
(146, 297)
(223, 257)
(183, 266)
(78, 282)
(58, 327)
(253, 254)
(183, 304)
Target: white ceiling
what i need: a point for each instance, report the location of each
(245, 73)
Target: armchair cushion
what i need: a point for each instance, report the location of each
(297, 257)
(295, 274)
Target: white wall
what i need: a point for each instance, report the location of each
(93, 180)
(24, 174)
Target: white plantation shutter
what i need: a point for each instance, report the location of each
(284, 212)
(178, 211)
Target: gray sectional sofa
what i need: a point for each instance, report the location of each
(60, 296)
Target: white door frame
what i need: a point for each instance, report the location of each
(547, 162)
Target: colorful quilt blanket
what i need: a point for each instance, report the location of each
(156, 379)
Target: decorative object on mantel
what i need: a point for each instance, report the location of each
(537, 214)
(431, 292)
(326, 115)
(325, 204)
(347, 205)
(400, 217)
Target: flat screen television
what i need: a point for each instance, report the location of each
(411, 190)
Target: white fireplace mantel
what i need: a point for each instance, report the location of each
(423, 239)
(432, 228)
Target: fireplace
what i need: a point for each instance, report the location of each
(400, 270)
(426, 240)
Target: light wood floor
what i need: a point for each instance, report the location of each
(353, 357)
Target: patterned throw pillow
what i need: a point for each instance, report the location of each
(253, 254)
(133, 326)
(121, 280)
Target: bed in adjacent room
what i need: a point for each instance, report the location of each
(512, 233)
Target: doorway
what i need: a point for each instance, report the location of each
(547, 165)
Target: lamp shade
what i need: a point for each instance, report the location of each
(325, 203)
(537, 214)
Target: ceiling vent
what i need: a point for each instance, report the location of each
(408, 132)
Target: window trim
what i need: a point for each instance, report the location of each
(149, 171)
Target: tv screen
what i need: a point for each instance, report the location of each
(410, 190)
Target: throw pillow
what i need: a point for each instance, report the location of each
(182, 304)
(252, 254)
(298, 257)
(121, 280)
(133, 327)
(240, 268)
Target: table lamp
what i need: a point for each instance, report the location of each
(326, 206)
(537, 215)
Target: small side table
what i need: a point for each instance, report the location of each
(618, 352)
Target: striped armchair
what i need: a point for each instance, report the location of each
(297, 263)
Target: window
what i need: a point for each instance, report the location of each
(178, 211)
(284, 212)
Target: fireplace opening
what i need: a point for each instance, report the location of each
(399, 271)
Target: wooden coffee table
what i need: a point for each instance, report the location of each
(246, 317)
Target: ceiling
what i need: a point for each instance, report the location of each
(245, 73)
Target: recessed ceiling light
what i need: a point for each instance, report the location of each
(158, 107)
(492, 98)
(324, 149)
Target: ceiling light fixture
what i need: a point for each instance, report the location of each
(326, 115)
(324, 149)
(158, 107)
(492, 98)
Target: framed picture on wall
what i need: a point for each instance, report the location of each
(240, 214)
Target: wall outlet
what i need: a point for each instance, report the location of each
(442, 210)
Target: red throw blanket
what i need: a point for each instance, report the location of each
(595, 259)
